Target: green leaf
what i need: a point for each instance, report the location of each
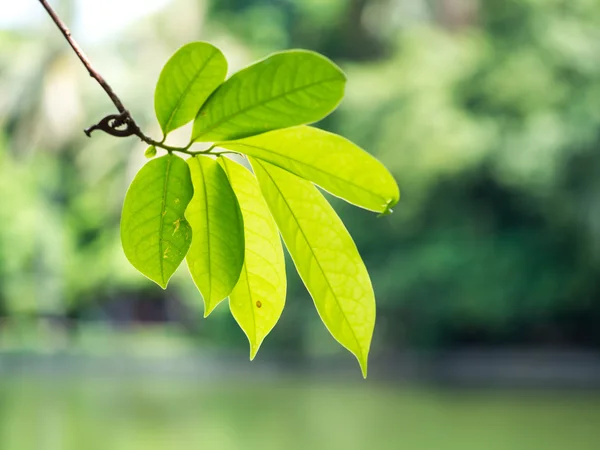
(186, 81)
(154, 232)
(285, 89)
(325, 256)
(259, 296)
(216, 255)
(328, 160)
(150, 152)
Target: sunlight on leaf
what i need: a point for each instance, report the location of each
(328, 160)
(216, 255)
(289, 88)
(150, 152)
(154, 231)
(186, 81)
(259, 296)
(325, 256)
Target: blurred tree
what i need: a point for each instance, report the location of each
(336, 28)
(488, 112)
(487, 128)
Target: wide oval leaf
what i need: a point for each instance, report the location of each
(154, 232)
(295, 87)
(325, 256)
(258, 298)
(186, 81)
(328, 160)
(216, 255)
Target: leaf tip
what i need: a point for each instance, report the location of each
(364, 367)
(362, 356)
(209, 306)
(388, 208)
(208, 309)
(159, 281)
(253, 351)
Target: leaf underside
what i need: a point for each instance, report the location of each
(154, 232)
(285, 89)
(258, 299)
(216, 255)
(186, 81)
(328, 160)
(325, 256)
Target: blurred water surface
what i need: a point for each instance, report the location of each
(135, 414)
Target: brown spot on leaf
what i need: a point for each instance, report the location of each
(258, 304)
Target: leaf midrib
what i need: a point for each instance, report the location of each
(316, 260)
(261, 103)
(251, 304)
(163, 210)
(186, 90)
(315, 168)
(207, 230)
(245, 266)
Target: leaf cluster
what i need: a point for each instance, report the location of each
(225, 219)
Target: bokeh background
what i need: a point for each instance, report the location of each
(487, 275)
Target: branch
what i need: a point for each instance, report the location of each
(119, 125)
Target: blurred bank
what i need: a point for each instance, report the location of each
(487, 274)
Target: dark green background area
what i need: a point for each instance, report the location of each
(486, 112)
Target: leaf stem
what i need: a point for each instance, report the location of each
(118, 125)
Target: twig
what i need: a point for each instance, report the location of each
(119, 125)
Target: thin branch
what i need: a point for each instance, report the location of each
(119, 125)
(82, 56)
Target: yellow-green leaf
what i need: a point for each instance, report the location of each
(186, 81)
(328, 160)
(290, 88)
(150, 152)
(216, 255)
(259, 296)
(154, 232)
(325, 256)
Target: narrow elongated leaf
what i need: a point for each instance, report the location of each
(216, 255)
(186, 81)
(286, 89)
(325, 256)
(154, 232)
(328, 160)
(259, 296)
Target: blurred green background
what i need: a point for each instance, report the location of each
(487, 275)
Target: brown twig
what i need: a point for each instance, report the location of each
(119, 125)
(82, 56)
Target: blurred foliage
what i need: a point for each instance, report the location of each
(487, 112)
